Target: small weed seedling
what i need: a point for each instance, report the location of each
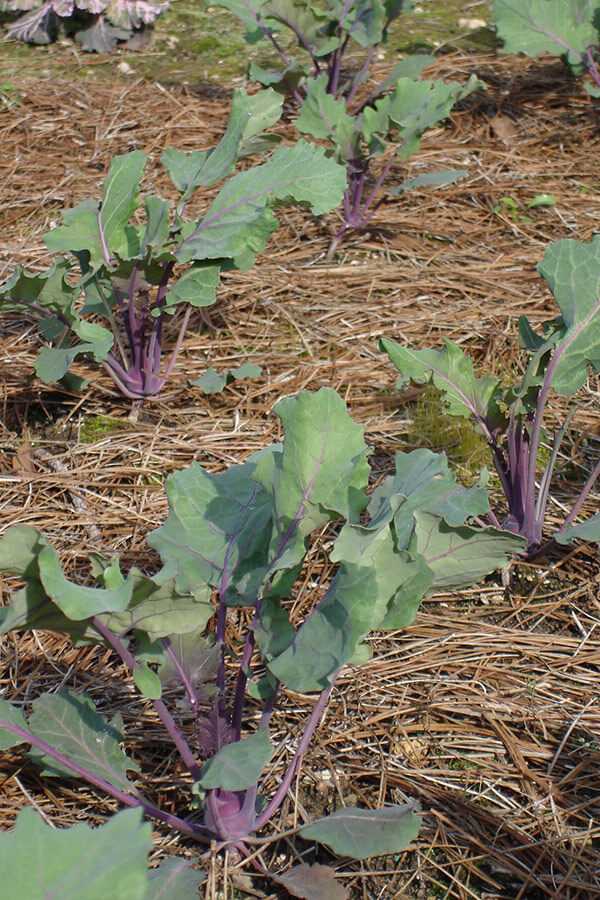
(238, 540)
(566, 28)
(131, 275)
(511, 420)
(334, 103)
(98, 26)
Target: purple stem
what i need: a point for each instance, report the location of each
(120, 384)
(190, 690)
(132, 319)
(592, 67)
(177, 348)
(360, 75)
(583, 495)
(123, 797)
(283, 788)
(163, 713)
(242, 677)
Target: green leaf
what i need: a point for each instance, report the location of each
(432, 179)
(53, 363)
(75, 601)
(70, 724)
(414, 106)
(160, 610)
(592, 89)
(198, 286)
(534, 27)
(79, 233)
(324, 116)
(237, 766)
(459, 557)
(20, 546)
(211, 381)
(31, 608)
(321, 473)
(197, 658)
(572, 270)
(361, 833)
(157, 228)
(119, 197)
(174, 879)
(451, 371)
(40, 862)
(354, 605)
(246, 370)
(10, 715)
(238, 223)
(585, 531)
(312, 882)
(541, 200)
(217, 530)
(147, 681)
(248, 118)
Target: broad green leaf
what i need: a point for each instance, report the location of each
(238, 224)
(147, 681)
(157, 228)
(451, 371)
(79, 233)
(361, 833)
(309, 25)
(119, 197)
(324, 116)
(249, 117)
(158, 609)
(246, 370)
(322, 471)
(404, 605)
(70, 724)
(75, 601)
(20, 547)
(31, 608)
(459, 557)
(432, 179)
(248, 12)
(211, 381)
(53, 363)
(273, 630)
(218, 528)
(354, 605)
(237, 766)
(585, 531)
(97, 339)
(312, 882)
(592, 89)
(365, 22)
(10, 715)
(572, 270)
(174, 879)
(40, 862)
(410, 67)
(414, 106)
(560, 27)
(49, 290)
(196, 657)
(198, 287)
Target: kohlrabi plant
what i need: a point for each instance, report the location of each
(512, 418)
(83, 863)
(235, 543)
(96, 25)
(566, 28)
(135, 275)
(359, 121)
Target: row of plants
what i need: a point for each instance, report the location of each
(234, 546)
(238, 541)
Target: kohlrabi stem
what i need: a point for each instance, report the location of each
(544, 491)
(242, 678)
(583, 495)
(132, 319)
(360, 76)
(119, 383)
(190, 690)
(179, 342)
(163, 713)
(305, 740)
(592, 67)
(123, 797)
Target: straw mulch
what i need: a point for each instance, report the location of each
(486, 710)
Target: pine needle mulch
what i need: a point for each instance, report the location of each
(486, 710)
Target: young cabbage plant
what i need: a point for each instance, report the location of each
(511, 419)
(566, 28)
(135, 277)
(96, 25)
(237, 541)
(83, 863)
(335, 104)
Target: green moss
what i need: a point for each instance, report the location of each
(95, 428)
(457, 437)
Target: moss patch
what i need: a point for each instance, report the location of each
(95, 428)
